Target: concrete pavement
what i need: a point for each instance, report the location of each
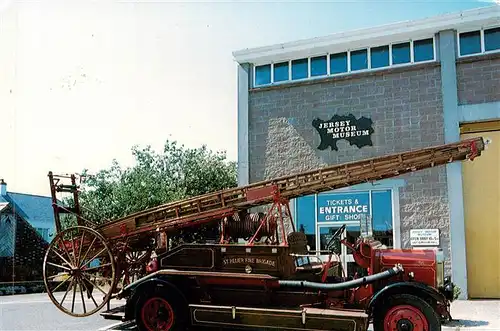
(26, 312)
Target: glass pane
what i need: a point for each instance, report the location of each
(326, 234)
(401, 53)
(304, 209)
(492, 39)
(338, 63)
(382, 217)
(299, 68)
(470, 43)
(280, 71)
(359, 60)
(423, 50)
(342, 207)
(263, 74)
(379, 56)
(318, 66)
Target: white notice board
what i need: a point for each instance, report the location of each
(424, 237)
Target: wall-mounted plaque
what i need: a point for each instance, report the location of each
(356, 131)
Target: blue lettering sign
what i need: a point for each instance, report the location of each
(343, 207)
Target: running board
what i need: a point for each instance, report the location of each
(117, 314)
(307, 319)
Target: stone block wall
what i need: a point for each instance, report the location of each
(405, 105)
(478, 79)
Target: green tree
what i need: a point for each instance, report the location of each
(156, 178)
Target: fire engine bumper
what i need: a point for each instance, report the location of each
(447, 289)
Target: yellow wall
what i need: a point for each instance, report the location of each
(481, 187)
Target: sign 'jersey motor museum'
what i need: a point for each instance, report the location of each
(355, 131)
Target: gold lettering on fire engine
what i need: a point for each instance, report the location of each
(248, 260)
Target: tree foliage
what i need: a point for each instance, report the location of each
(156, 178)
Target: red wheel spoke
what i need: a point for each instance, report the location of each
(95, 256)
(88, 250)
(62, 258)
(67, 291)
(81, 294)
(80, 249)
(94, 284)
(58, 266)
(67, 253)
(61, 284)
(74, 297)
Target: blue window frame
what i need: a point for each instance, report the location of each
(423, 50)
(401, 53)
(470, 43)
(263, 74)
(379, 57)
(492, 39)
(300, 68)
(318, 66)
(359, 60)
(338, 63)
(280, 71)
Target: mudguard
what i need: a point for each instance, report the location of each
(418, 289)
(140, 287)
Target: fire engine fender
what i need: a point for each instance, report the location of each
(148, 285)
(423, 291)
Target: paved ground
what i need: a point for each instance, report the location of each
(26, 312)
(475, 315)
(36, 312)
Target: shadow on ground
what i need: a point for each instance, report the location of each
(466, 323)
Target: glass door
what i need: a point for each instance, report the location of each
(325, 234)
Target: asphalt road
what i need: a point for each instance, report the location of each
(25, 312)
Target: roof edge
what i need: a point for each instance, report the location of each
(434, 23)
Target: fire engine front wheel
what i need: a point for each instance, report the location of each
(404, 312)
(159, 310)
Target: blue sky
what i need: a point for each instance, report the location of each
(96, 77)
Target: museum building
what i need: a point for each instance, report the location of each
(365, 93)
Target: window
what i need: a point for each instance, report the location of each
(376, 57)
(423, 50)
(379, 56)
(401, 53)
(300, 69)
(470, 43)
(305, 219)
(263, 74)
(318, 66)
(280, 71)
(359, 60)
(338, 63)
(492, 39)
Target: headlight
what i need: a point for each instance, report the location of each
(439, 268)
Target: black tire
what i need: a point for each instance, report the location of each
(173, 308)
(420, 314)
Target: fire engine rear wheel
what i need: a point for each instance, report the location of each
(78, 261)
(404, 312)
(159, 310)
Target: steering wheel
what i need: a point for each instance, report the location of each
(335, 235)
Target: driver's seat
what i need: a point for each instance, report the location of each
(297, 241)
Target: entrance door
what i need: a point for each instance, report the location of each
(351, 232)
(481, 189)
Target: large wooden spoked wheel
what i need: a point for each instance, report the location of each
(74, 265)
